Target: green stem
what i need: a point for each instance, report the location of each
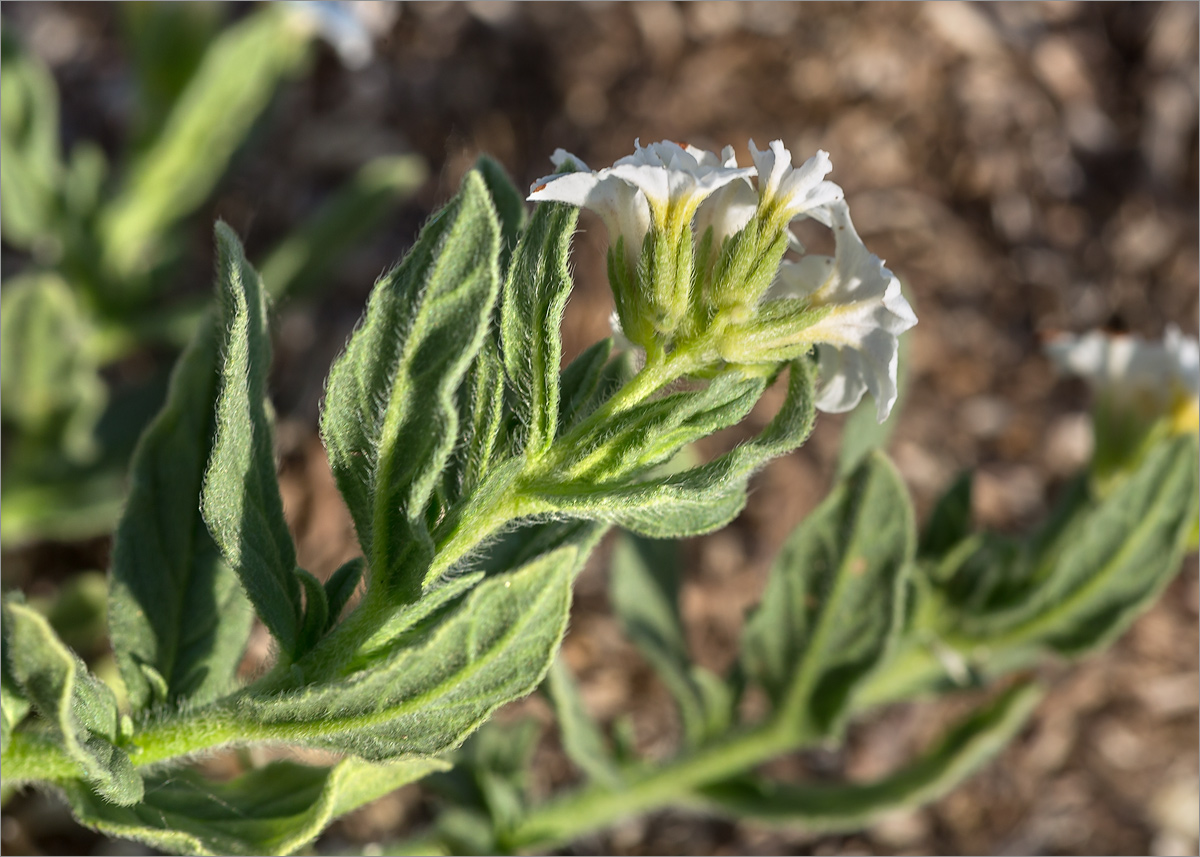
(596, 807)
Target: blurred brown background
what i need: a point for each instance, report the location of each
(1023, 167)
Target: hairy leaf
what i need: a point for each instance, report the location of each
(852, 806)
(276, 809)
(13, 703)
(481, 415)
(535, 294)
(582, 739)
(340, 587)
(1118, 556)
(695, 501)
(429, 695)
(78, 706)
(241, 501)
(509, 203)
(178, 617)
(390, 420)
(833, 602)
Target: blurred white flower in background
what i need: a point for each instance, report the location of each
(348, 27)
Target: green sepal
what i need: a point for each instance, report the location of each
(644, 591)
(80, 708)
(390, 422)
(509, 204)
(582, 740)
(276, 809)
(834, 600)
(340, 587)
(774, 334)
(494, 647)
(241, 501)
(178, 617)
(962, 751)
(535, 295)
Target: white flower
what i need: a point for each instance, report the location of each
(1155, 377)
(794, 191)
(857, 338)
(621, 206)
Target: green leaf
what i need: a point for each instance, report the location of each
(13, 703)
(862, 431)
(963, 750)
(50, 387)
(509, 204)
(582, 739)
(178, 617)
(651, 433)
(307, 256)
(481, 415)
(78, 706)
(580, 380)
(391, 420)
(531, 310)
(428, 696)
(950, 522)
(241, 502)
(213, 116)
(833, 603)
(276, 809)
(30, 167)
(695, 501)
(1108, 565)
(316, 612)
(340, 587)
(644, 590)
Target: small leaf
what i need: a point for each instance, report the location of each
(581, 738)
(340, 587)
(13, 704)
(1103, 567)
(509, 204)
(174, 606)
(494, 647)
(833, 602)
(316, 612)
(644, 590)
(535, 294)
(80, 708)
(695, 501)
(310, 253)
(390, 421)
(950, 522)
(961, 752)
(241, 501)
(276, 809)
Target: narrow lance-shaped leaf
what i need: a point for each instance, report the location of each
(581, 737)
(481, 415)
(1121, 555)
(644, 589)
(241, 501)
(177, 615)
(833, 602)
(535, 294)
(964, 749)
(509, 203)
(276, 809)
(391, 419)
(80, 708)
(695, 501)
(495, 647)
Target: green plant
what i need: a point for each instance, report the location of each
(480, 477)
(103, 244)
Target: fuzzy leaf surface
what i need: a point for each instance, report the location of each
(833, 602)
(426, 697)
(390, 421)
(241, 501)
(276, 809)
(178, 616)
(531, 310)
(960, 753)
(509, 204)
(80, 708)
(582, 739)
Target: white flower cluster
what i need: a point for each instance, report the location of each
(667, 185)
(1154, 378)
